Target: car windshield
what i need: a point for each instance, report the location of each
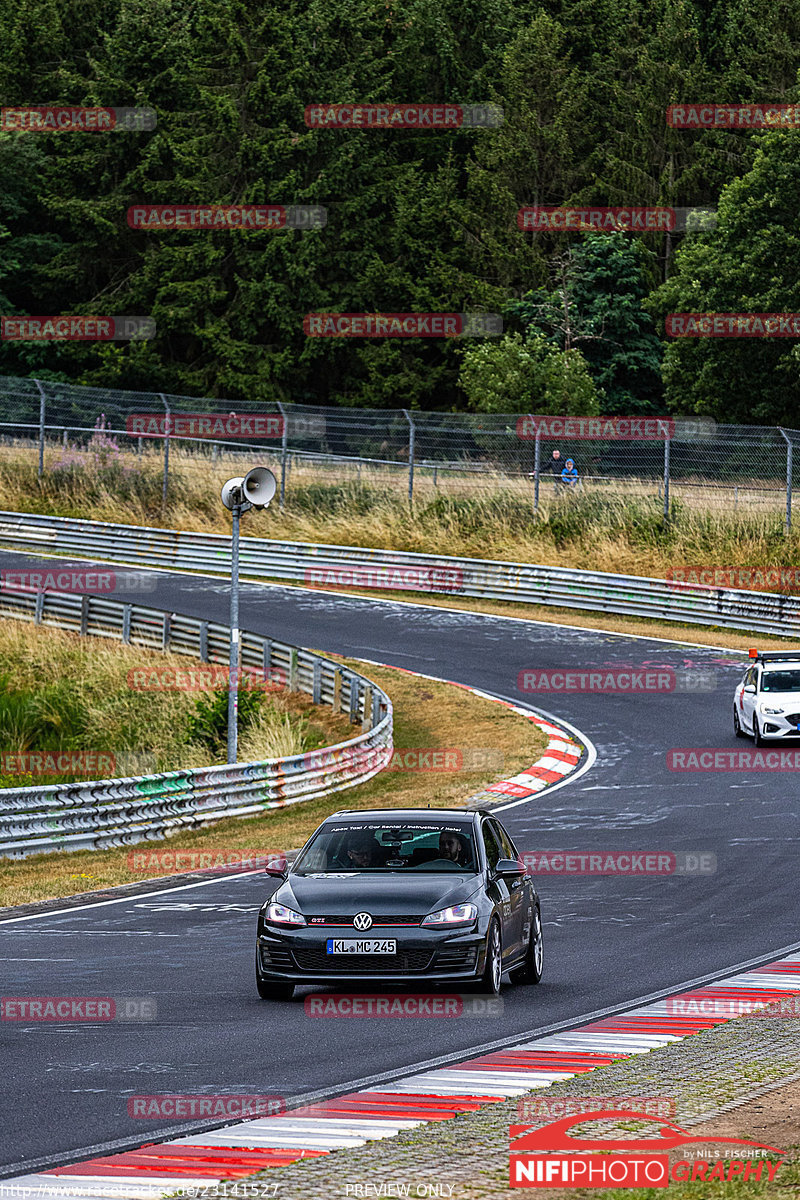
(781, 681)
(381, 846)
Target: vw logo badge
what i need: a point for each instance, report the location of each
(362, 921)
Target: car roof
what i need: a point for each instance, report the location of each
(399, 814)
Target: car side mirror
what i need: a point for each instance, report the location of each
(509, 866)
(278, 872)
(751, 687)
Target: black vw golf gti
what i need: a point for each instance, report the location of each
(397, 895)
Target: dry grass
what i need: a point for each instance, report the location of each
(75, 693)
(617, 527)
(427, 715)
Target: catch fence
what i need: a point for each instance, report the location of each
(410, 452)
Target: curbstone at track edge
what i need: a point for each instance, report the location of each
(562, 755)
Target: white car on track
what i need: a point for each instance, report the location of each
(766, 703)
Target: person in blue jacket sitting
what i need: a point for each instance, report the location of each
(569, 476)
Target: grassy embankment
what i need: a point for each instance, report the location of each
(617, 529)
(62, 691)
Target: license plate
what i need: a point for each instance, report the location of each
(362, 946)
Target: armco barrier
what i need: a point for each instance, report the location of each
(343, 566)
(115, 812)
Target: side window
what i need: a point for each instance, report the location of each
(750, 676)
(493, 851)
(506, 845)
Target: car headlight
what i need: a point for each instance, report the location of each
(279, 914)
(774, 711)
(459, 914)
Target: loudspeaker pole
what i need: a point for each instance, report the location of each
(233, 671)
(239, 495)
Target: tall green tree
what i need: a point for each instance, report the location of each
(595, 303)
(750, 264)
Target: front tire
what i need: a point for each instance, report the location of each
(757, 738)
(532, 968)
(737, 724)
(272, 989)
(490, 981)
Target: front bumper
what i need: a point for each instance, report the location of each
(780, 725)
(300, 955)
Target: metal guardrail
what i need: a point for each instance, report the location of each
(354, 566)
(101, 814)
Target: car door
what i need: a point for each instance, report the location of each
(747, 700)
(499, 891)
(527, 891)
(519, 888)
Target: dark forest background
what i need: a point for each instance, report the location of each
(416, 221)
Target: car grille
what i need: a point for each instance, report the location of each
(404, 963)
(456, 958)
(377, 922)
(793, 718)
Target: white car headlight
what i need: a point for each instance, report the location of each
(459, 914)
(279, 914)
(774, 711)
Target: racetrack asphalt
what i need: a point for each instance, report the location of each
(609, 940)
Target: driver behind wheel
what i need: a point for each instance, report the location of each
(363, 851)
(451, 846)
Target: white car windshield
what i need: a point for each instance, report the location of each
(787, 680)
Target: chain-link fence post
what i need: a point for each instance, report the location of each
(411, 438)
(789, 447)
(42, 410)
(284, 443)
(167, 432)
(666, 478)
(537, 463)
